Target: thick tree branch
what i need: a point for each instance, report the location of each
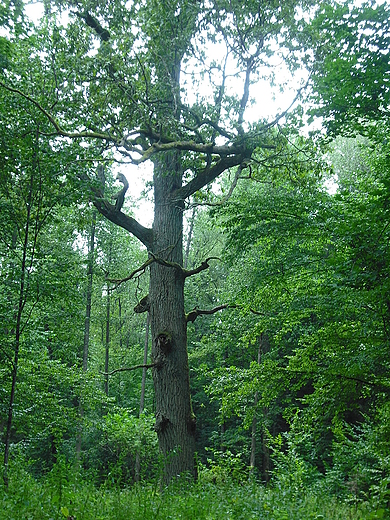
(209, 174)
(203, 266)
(95, 25)
(225, 198)
(143, 305)
(185, 146)
(192, 315)
(186, 273)
(129, 223)
(244, 99)
(145, 235)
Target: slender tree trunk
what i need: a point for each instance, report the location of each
(266, 460)
(142, 398)
(120, 322)
(87, 322)
(175, 422)
(223, 425)
(107, 340)
(18, 331)
(254, 421)
(253, 437)
(14, 379)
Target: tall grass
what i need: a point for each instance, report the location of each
(64, 494)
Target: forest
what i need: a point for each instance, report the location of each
(194, 259)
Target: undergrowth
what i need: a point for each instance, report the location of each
(65, 495)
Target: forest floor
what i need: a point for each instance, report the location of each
(64, 497)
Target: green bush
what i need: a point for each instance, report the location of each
(112, 445)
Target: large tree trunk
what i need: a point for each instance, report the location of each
(175, 422)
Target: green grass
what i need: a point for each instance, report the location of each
(61, 496)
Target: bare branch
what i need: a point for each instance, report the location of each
(233, 185)
(7, 356)
(129, 369)
(282, 114)
(258, 313)
(384, 385)
(143, 267)
(192, 315)
(202, 122)
(203, 266)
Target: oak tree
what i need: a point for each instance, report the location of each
(168, 82)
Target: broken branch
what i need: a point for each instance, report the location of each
(203, 266)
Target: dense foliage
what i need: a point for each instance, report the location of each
(287, 306)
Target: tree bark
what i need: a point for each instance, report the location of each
(175, 421)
